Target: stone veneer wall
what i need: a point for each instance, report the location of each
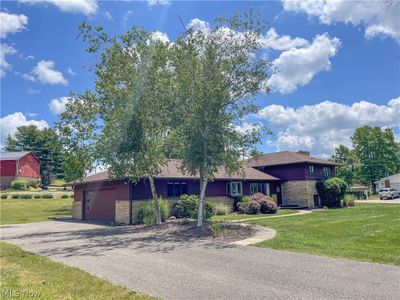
(122, 208)
(299, 192)
(77, 210)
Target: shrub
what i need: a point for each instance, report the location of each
(221, 209)
(241, 199)
(186, 206)
(14, 196)
(64, 196)
(242, 207)
(33, 183)
(4, 196)
(349, 200)
(332, 191)
(146, 213)
(47, 196)
(26, 196)
(216, 230)
(268, 206)
(72, 196)
(37, 196)
(18, 185)
(253, 207)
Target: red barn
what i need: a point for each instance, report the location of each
(18, 165)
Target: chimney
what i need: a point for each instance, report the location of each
(306, 153)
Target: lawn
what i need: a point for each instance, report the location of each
(237, 217)
(23, 271)
(33, 210)
(369, 232)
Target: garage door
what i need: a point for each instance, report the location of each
(99, 205)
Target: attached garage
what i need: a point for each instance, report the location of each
(99, 205)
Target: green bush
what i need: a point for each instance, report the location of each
(242, 207)
(186, 207)
(47, 196)
(221, 209)
(349, 200)
(26, 196)
(4, 196)
(332, 191)
(15, 196)
(37, 196)
(259, 203)
(216, 230)
(268, 206)
(146, 213)
(64, 196)
(33, 183)
(18, 185)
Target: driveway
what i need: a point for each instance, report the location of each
(167, 266)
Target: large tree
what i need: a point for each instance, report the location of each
(377, 151)
(45, 144)
(129, 123)
(218, 73)
(348, 164)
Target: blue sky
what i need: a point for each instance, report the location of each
(337, 66)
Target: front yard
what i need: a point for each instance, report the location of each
(24, 272)
(367, 232)
(33, 210)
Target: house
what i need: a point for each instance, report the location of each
(288, 177)
(18, 165)
(392, 181)
(298, 172)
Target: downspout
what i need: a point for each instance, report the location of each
(130, 203)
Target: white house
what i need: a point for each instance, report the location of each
(392, 181)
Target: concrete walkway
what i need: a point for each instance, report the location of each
(394, 201)
(163, 264)
(299, 213)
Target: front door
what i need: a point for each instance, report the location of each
(279, 194)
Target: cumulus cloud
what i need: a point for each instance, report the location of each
(57, 106)
(322, 127)
(11, 23)
(275, 41)
(152, 3)
(375, 16)
(10, 123)
(5, 50)
(200, 25)
(86, 7)
(160, 36)
(33, 91)
(246, 128)
(45, 73)
(297, 66)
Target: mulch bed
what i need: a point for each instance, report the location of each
(187, 229)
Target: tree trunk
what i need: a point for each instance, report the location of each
(201, 213)
(155, 199)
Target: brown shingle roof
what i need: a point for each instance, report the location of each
(172, 170)
(286, 157)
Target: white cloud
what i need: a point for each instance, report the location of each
(152, 3)
(322, 127)
(57, 106)
(33, 91)
(86, 7)
(11, 23)
(375, 16)
(200, 25)
(160, 36)
(126, 16)
(246, 128)
(108, 16)
(274, 41)
(5, 50)
(71, 72)
(10, 123)
(45, 73)
(297, 66)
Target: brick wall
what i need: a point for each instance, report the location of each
(299, 192)
(77, 210)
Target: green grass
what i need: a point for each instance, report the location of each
(33, 210)
(236, 217)
(369, 232)
(25, 271)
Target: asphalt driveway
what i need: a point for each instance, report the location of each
(171, 267)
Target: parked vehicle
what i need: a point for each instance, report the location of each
(388, 193)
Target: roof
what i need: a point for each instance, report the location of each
(287, 157)
(13, 155)
(172, 170)
(394, 176)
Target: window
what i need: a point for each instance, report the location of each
(267, 191)
(176, 189)
(254, 187)
(234, 188)
(327, 171)
(311, 168)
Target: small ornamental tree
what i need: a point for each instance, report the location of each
(332, 191)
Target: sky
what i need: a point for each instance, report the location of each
(336, 63)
